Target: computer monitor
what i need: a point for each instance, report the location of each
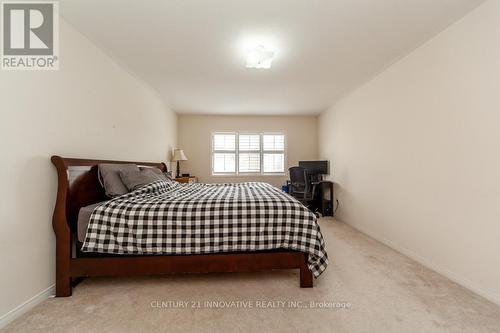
(315, 167)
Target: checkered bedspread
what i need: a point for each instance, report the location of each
(172, 218)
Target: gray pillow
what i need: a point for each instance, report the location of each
(109, 176)
(167, 175)
(133, 179)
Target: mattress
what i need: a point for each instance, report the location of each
(84, 219)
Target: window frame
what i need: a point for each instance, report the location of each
(261, 153)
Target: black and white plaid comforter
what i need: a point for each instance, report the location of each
(172, 218)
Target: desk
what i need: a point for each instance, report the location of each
(323, 197)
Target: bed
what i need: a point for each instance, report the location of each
(166, 227)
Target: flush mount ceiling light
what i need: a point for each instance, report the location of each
(260, 57)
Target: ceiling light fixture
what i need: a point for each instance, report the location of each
(260, 57)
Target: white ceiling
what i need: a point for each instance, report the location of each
(191, 50)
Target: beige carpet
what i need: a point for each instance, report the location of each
(380, 290)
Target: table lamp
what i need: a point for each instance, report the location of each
(179, 156)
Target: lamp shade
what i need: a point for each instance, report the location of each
(179, 155)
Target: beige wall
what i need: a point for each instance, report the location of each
(416, 153)
(90, 108)
(195, 132)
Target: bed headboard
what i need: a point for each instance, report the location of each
(78, 186)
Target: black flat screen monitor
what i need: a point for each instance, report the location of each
(315, 167)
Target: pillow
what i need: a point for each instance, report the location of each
(133, 179)
(109, 176)
(167, 175)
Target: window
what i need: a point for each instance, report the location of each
(273, 149)
(224, 157)
(248, 153)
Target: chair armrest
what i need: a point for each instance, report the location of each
(313, 190)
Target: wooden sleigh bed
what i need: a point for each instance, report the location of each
(78, 186)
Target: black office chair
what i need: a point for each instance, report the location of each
(300, 186)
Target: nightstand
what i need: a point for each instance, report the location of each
(189, 180)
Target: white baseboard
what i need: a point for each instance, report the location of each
(26, 306)
(492, 297)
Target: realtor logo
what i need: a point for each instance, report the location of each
(30, 35)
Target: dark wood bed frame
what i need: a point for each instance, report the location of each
(78, 186)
